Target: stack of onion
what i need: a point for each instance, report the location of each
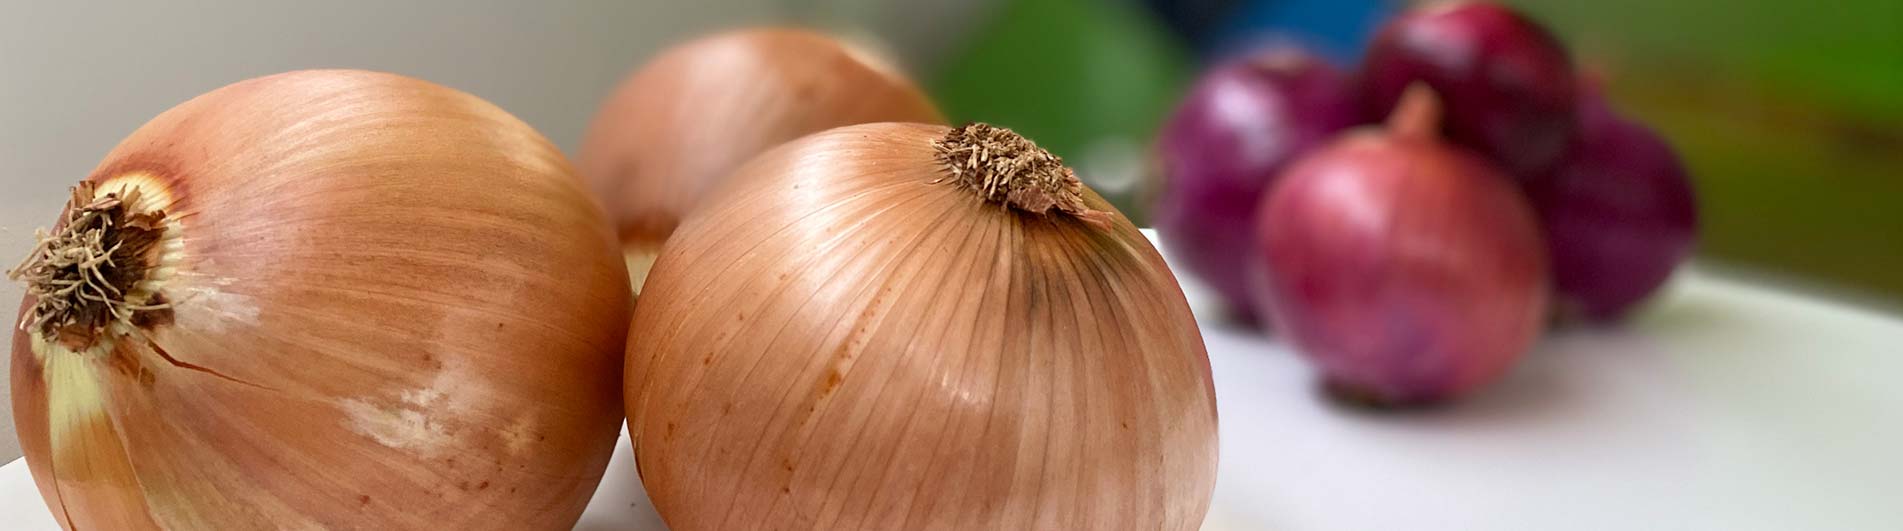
(700, 109)
(905, 326)
(323, 299)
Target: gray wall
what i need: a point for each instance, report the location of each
(76, 77)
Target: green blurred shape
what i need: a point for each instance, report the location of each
(1072, 75)
(1790, 115)
(1845, 54)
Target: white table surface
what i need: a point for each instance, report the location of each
(1723, 406)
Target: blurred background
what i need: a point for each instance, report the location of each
(1790, 115)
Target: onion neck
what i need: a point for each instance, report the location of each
(1417, 114)
(1002, 166)
(87, 274)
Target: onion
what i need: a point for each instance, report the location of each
(1407, 270)
(1239, 126)
(905, 326)
(333, 299)
(1619, 215)
(1507, 82)
(700, 109)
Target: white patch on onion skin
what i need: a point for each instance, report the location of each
(206, 307)
(520, 435)
(403, 428)
(422, 398)
(414, 420)
(405, 423)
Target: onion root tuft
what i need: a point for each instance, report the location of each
(1003, 166)
(81, 274)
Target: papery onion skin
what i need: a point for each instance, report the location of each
(1407, 270)
(1620, 215)
(392, 306)
(686, 119)
(1239, 127)
(846, 337)
(1507, 82)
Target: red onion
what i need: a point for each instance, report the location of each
(1408, 270)
(1238, 128)
(1620, 215)
(1506, 82)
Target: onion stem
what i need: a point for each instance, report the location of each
(1418, 113)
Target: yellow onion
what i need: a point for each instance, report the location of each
(906, 326)
(333, 299)
(698, 110)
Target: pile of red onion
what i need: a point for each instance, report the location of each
(1416, 261)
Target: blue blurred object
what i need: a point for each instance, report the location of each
(1193, 19)
(1334, 29)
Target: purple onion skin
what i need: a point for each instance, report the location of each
(1506, 82)
(1620, 215)
(1237, 129)
(1408, 271)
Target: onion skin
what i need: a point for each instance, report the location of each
(1409, 271)
(393, 306)
(839, 340)
(1620, 215)
(1236, 131)
(1507, 83)
(698, 110)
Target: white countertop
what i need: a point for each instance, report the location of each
(1724, 406)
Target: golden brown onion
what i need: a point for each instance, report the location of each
(850, 336)
(336, 299)
(700, 109)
